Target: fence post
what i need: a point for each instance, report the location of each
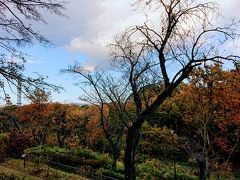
(24, 160)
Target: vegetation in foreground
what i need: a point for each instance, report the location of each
(14, 169)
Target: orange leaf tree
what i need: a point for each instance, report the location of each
(211, 117)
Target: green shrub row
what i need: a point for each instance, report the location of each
(101, 163)
(74, 157)
(153, 169)
(110, 173)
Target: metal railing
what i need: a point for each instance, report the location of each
(57, 165)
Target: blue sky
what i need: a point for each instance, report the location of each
(83, 37)
(48, 62)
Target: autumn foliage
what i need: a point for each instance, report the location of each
(201, 121)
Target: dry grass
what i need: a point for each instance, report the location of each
(35, 172)
(19, 174)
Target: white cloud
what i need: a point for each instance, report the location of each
(89, 68)
(230, 8)
(115, 16)
(86, 47)
(34, 62)
(13, 59)
(93, 23)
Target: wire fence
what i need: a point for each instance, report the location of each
(78, 171)
(66, 168)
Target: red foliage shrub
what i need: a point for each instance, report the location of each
(18, 141)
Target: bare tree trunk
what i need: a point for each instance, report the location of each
(206, 167)
(114, 163)
(132, 142)
(204, 163)
(91, 138)
(116, 155)
(59, 139)
(203, 169)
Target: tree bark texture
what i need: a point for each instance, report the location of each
(132, 142)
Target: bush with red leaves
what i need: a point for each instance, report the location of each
(18, 141)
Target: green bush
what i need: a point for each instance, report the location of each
(154, 169)
(158, 141)
(4, 176)
(148, 168)
(186, 177)
(72, 157)
(110, 173)
(120, 167)
(100, 144)
(3, 144)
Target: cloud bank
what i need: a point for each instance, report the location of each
(92, 25)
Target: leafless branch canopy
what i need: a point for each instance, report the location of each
(16, 30)
(16, 16)
(153, 59)
(165, 53)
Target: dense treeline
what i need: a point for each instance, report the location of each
(199, 125)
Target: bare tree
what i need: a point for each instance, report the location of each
(186, 37)
(199, 118)
(154, 59)
(16, 30)
(109, 96)
(202, 114)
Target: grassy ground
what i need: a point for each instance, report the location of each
(32, 172)
(19, 174)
